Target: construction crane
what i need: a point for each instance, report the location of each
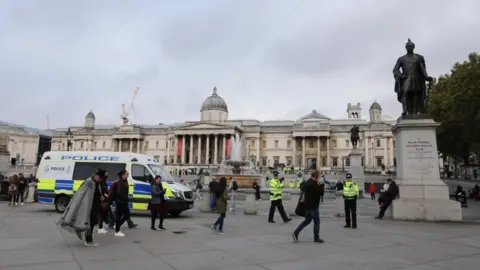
(127, 110)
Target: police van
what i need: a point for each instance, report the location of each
(60, 174)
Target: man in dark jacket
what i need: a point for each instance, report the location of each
(311, 192)
(387, 197)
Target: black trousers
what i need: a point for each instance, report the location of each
(257, 194)
(94, 217)
(372, 195)
(157, 214)
(351, 212)
(108, 217)
(279, 205)
(384, 206)
(122, 214)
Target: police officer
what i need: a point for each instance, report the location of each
(350, 193)
(276, 191)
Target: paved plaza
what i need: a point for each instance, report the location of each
(29, 239)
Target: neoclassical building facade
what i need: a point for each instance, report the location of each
(312, 141)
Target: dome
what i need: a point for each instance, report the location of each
(90, 115)
(375, 106)
(214, 103)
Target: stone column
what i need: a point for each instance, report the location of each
(294, 152)
(258, 150)
(138, 145)
(328, 152)
(199, 154)
(391, 151)
(190, 156)
(207, 149)
(318, 153)
(131, 145)
(215, 152)
(385, 152)
(183, 149)
(303, 153)
(113, 145)
(168, 150)
(224, 140)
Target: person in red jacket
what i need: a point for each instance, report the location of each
(372, 190)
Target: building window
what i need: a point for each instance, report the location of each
(322, 145)
(264, 161)
(276, 160)
(95, 144)
(379, 143)
(276, 144)
(311, 144)
(157, 158)
(289, 161)
(166, 144)
(289, 144)
(173, 144)
(156, 144)
(394, 144)
(334, 143)
(104, 144)
(335, 162)
(252, 143)
(395, 162)
(81, 145)
(379, 161)
(347, 143)
(264, 144)
(324, 162)
(347, 161)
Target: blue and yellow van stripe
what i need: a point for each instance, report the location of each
(49, 188)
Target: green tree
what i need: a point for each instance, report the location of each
(455, 102)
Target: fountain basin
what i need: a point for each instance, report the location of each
(243, 180)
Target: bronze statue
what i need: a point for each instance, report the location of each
(354, 135)
(410, 82)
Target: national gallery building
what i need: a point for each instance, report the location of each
(312, 141)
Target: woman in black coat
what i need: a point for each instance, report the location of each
(157, 203)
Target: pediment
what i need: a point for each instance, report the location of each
(206, 126)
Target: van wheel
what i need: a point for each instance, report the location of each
(61, 203)
(175, 213)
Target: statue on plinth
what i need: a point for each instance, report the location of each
(354, 135)
(410, 85)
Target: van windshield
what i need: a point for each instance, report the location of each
(162, 171)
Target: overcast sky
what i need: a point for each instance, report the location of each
(270, 59)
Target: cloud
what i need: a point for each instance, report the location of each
(269, 59)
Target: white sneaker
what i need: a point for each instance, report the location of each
(119, 234)
(102, 231)
(16, 204)
(92, 244)
(21, 204)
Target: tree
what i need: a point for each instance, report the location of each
(455, 102)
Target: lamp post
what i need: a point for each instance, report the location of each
(69, 135)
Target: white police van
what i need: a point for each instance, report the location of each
(60, 174)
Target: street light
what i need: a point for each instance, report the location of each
(69, 135)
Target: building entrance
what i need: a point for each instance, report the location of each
(312, 163)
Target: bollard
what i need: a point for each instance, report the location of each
(31, 192)
(339, 205)
(206, 196)
(294, 197)
(250, 204)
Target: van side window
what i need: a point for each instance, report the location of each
(84, 170)
(140, 173)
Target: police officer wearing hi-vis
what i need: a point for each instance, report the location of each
(350, 193)
(276, 190)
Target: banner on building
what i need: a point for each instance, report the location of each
(228, 147)
(179, 147)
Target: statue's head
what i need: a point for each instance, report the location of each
(410, 46)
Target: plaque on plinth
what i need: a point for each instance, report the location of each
(423, 195)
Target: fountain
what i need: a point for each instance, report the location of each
(236, 167)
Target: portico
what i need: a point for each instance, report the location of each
(312, 151)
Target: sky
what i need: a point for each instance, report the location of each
(269, 59)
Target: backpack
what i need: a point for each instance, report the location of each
(234, 185)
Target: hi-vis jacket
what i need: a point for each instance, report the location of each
(350, 190)
(276, 189)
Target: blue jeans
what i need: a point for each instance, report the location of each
(311, 214)
(219, 222)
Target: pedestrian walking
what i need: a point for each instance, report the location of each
(233, 189)
(350, 194)
(372, 191)
(221, 197)
(157, 204)
(312, 195)
(119, 194)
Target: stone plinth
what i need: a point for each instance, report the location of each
(243, 180)
(4, 154)
(356, 169)
(423, 196)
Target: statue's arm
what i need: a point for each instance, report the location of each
(396, 68)
(424, 67)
